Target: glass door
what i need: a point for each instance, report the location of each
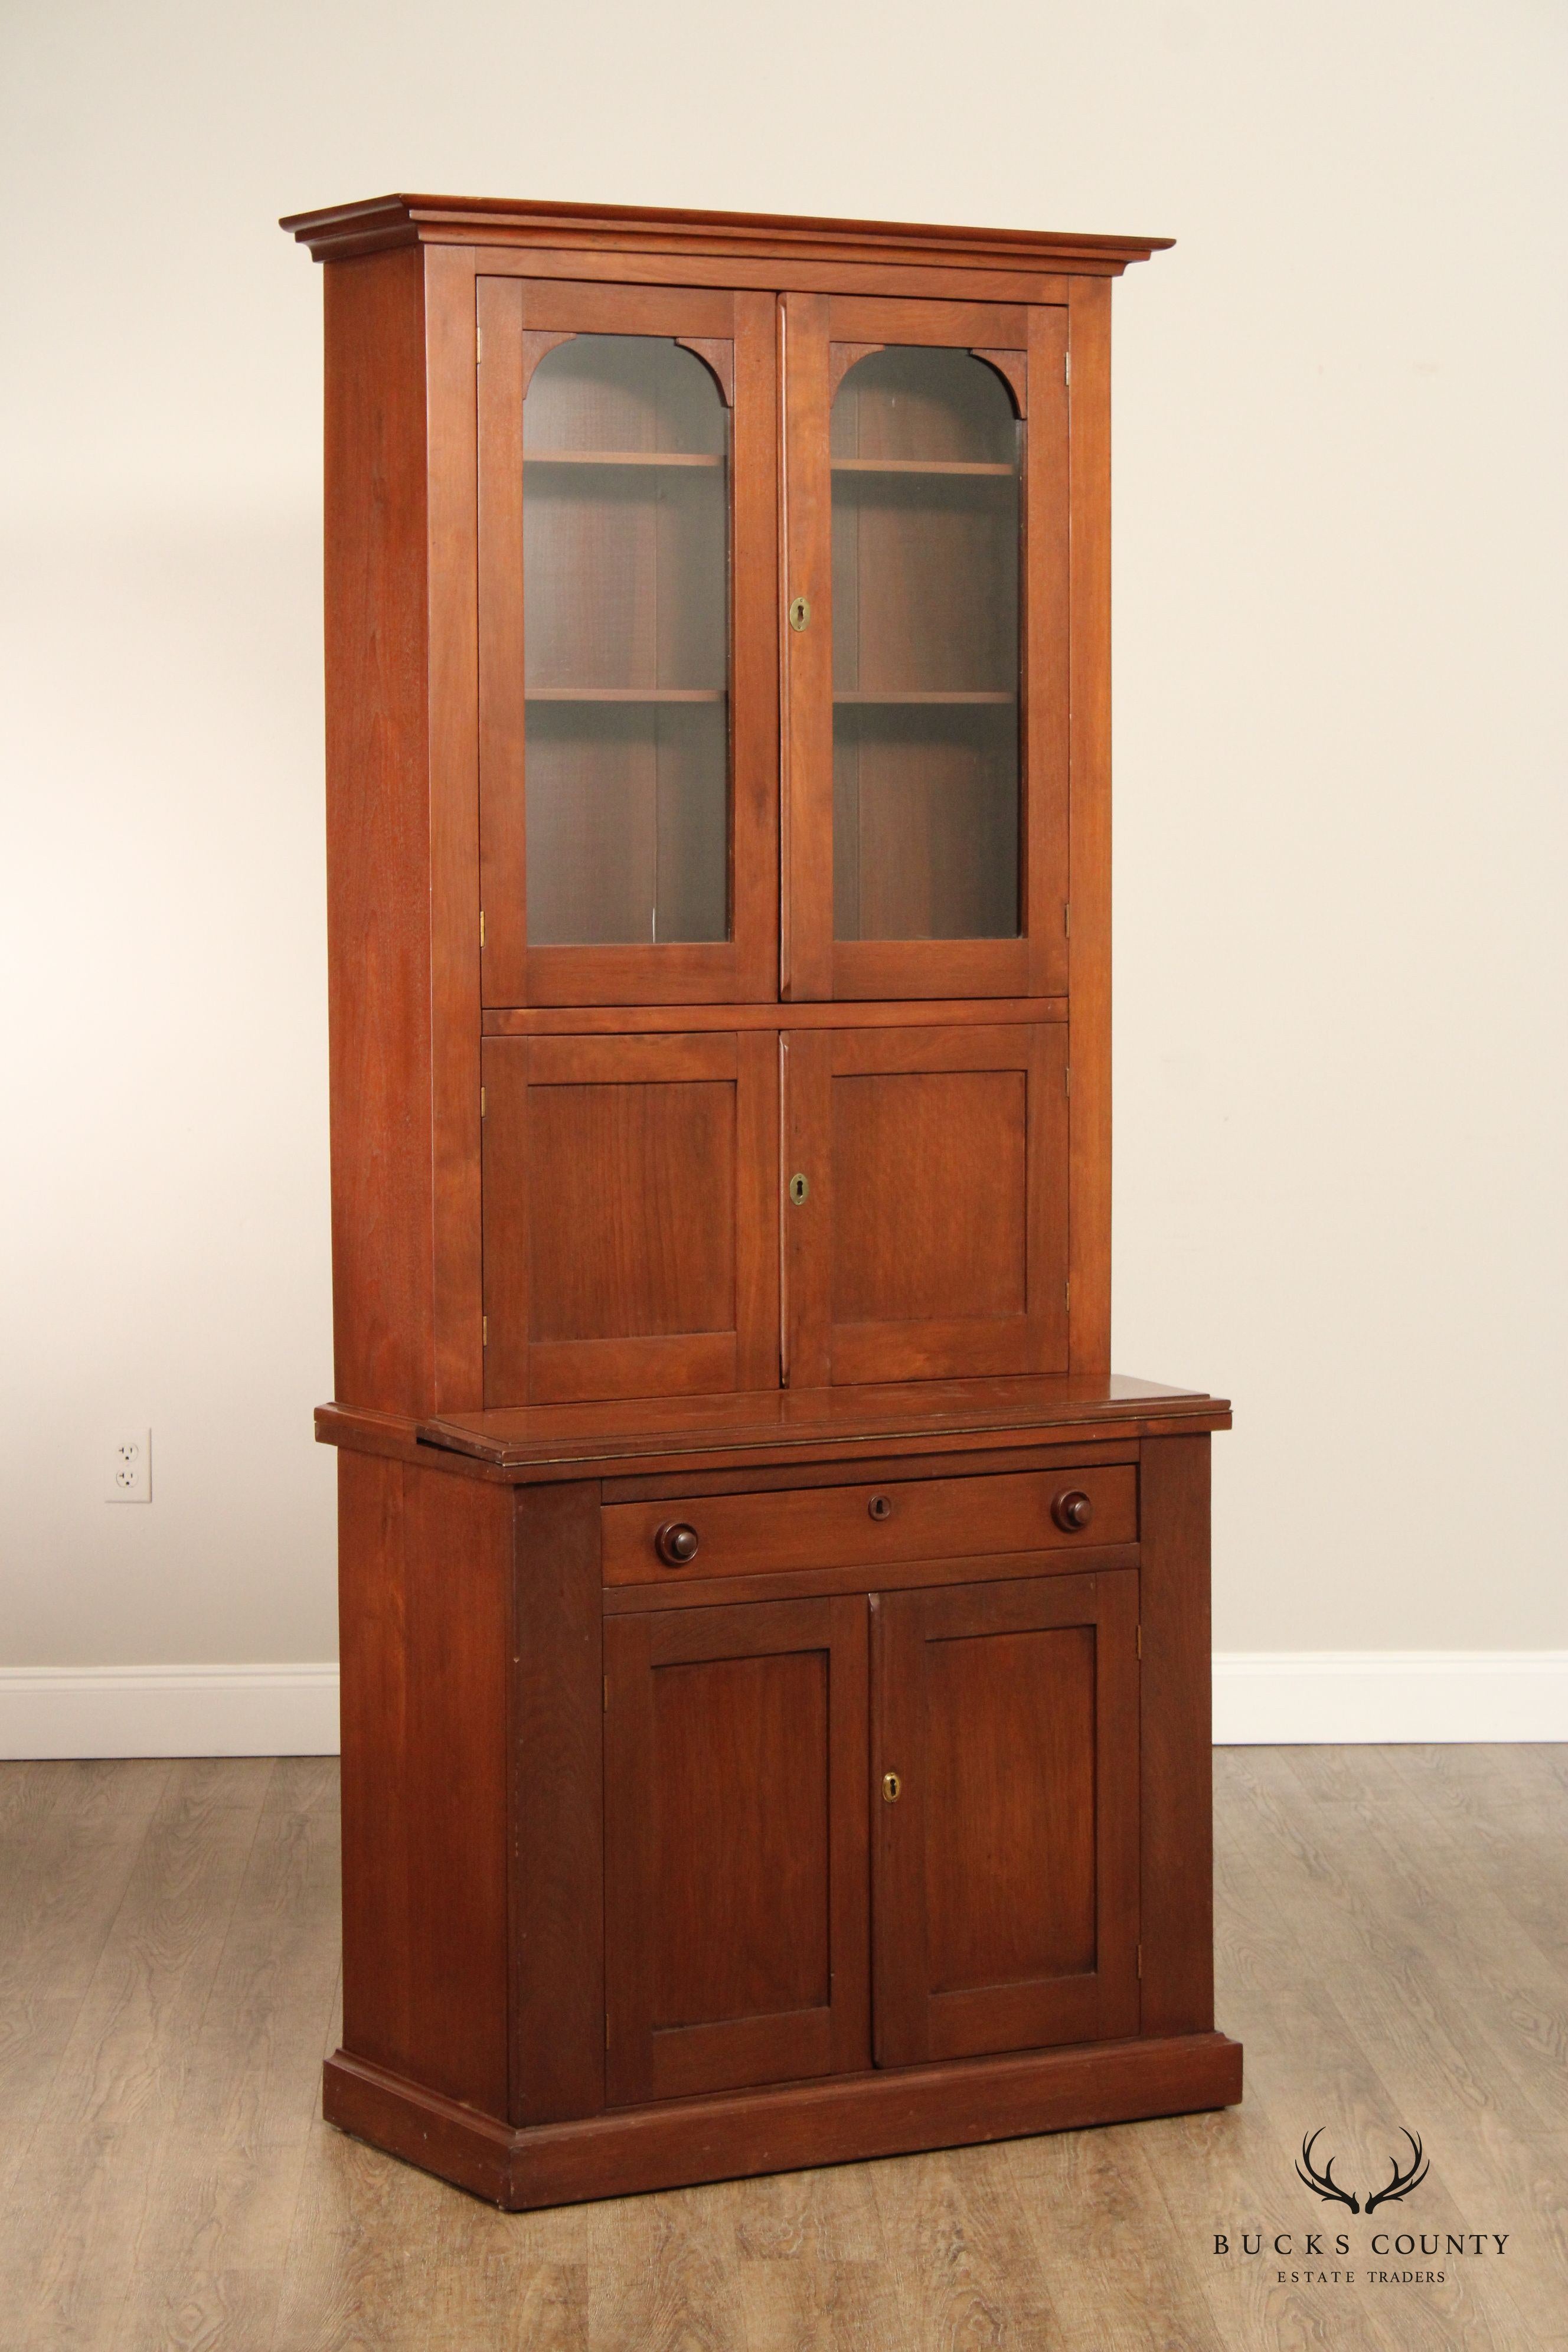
(926, 572)
(626, 816)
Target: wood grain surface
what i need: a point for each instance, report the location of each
(1392, 1946)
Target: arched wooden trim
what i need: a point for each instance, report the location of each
(718, 354)
(841, 358)
(536, 342)
(1012, 367)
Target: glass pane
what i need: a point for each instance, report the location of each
(626, 643)
(925, 453)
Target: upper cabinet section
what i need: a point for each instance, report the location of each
(926, 663)
(717, 648)
(627, 678)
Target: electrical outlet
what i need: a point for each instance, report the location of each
(130, 1469)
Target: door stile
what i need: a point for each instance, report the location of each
(807, 576)
(1046, 680)
(756, 1210)
(503, 842)
(1049, 1215)
(754, 625)
(900, 2009)
(808, 1224)
(628, 1857)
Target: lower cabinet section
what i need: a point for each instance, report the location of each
(1000, 1785)
(891, 1834)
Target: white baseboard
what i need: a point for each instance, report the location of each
(1288, 1699)
(80, 1711)
(1271, 1699)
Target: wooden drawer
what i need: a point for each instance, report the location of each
(871, 1526)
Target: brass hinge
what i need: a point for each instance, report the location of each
(479, 345)
(485, 1329)
(481, 1102)
(1066, 1293)
(1066, 367)
(1067, 1077)
(481, 926)
(1066, 918)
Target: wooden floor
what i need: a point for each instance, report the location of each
(1394, 1951)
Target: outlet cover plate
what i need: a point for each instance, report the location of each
(130, 1468)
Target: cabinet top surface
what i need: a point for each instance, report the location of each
(340, 232)
(912, 1414)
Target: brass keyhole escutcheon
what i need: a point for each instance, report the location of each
(799, 1189)
(881, 1506)
(799, 613)
(892, 1787)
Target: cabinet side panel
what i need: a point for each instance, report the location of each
(454, 769)
(378, 835)
(1089, 944)
(424, 1563)
(557, 1861)
(1177, 1735)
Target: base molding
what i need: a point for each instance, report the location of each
(738, 2133)
(1305, 1698)
(1267, 1698)
(179, 1711)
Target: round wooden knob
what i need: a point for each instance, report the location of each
(676, 1543)
(1073, 1509)
(881, 1506)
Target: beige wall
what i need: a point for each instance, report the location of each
(1340, 831)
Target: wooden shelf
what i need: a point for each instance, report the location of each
(922, 698)
(623, 457)
(624, 693)
(918, 465)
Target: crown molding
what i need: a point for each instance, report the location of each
(377, 224)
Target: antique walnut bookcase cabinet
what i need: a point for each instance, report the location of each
(775, 1674)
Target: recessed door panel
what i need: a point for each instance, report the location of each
(1006, 1721)
(736, 1894)
(1010, 1744)
(630, 1196)
(931, 1238)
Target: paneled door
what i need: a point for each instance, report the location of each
(925, 1203)
(735, 1837)
(926, 652)
(630, 1216)
(1004, 1746)
(627, 600)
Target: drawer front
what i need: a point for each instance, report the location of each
(871, 1526)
